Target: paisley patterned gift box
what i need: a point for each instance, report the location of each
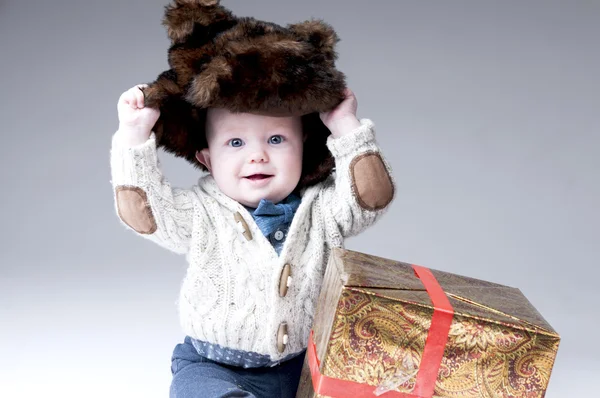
(391, 329)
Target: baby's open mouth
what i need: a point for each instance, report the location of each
(255, 177)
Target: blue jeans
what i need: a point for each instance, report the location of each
(195, 376)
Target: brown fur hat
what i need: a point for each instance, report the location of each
(244, 65)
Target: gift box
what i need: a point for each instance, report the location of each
(392, 329)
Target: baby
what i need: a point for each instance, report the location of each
(291, 173)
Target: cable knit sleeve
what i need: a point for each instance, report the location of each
(362, 187)
(144, 199)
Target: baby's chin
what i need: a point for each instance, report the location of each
(252, 199)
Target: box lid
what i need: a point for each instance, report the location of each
(469, 297)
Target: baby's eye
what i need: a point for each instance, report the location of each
(276, 139)
(236, 142)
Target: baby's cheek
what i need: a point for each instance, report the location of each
(223, 169)
(226, 180)
(293, 163)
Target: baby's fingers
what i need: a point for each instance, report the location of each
(133, 97)
(139, 95)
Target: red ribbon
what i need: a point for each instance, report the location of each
(430, 361)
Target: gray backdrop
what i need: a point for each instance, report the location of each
(488, 112)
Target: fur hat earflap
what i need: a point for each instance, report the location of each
(218, 60)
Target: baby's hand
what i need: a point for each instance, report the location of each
(342, 120)
(135, 120)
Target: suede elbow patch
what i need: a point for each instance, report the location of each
(371, 182)
(134, 210)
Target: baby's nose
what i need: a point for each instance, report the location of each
(259, 155)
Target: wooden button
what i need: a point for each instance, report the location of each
(240, 220)
(286, 273)
(282, 337)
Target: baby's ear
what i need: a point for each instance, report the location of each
(203, 156)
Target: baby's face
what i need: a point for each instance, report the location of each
(253, 157)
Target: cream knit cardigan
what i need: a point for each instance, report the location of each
(230, 293)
